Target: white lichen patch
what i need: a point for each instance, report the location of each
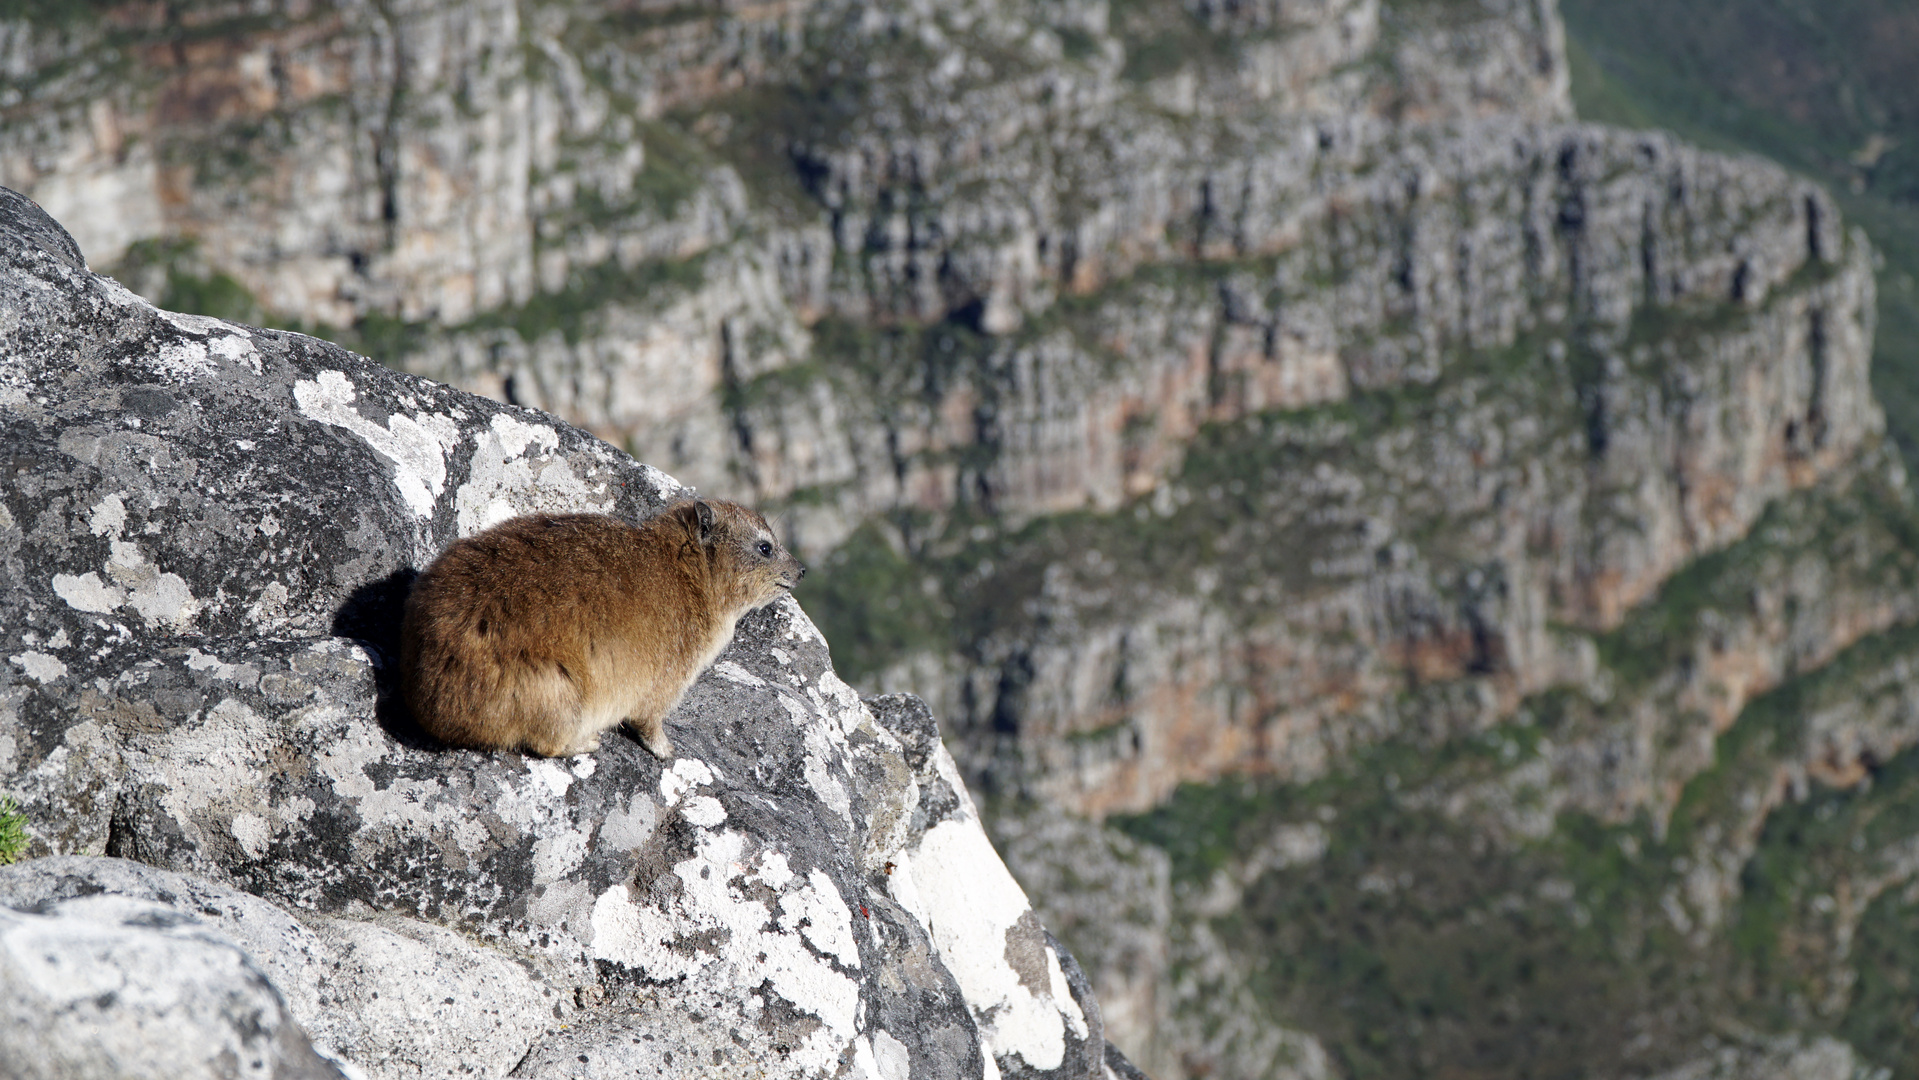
(957, 887)
(663, 485)
(515, 436)
(558, 855)
(794, 623)
(253, 833)
(183, 360)
(733, 672)
(624, 830)
(714, 931)
(515, 469)
(704, 811)
(86, 592)
(550, 774)
(40, 667)
(131, 578)
(682, 776)
(158, 596)
(822, 917)
(416, 445)
(236, 346)
(109, 515)
(163, 598)
(221, 341)
(821, 752)
(244, 674)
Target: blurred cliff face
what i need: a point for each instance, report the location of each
(431, 162)
(1172, 394)
(684, 195)
(864, 265)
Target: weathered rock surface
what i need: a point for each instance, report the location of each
(205, 534)
(99, 983)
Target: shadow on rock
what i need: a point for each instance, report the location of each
(371, 615)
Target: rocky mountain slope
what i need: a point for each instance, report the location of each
(1406, 572)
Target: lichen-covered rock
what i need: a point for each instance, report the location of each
(205, 536)
(98, 984)
(395, 996)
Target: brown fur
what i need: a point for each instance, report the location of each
(544, 631)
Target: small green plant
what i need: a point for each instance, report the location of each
(13, 831)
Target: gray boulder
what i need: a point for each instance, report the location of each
(100, 985)
(206, 531)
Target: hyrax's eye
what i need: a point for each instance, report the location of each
(766, 549)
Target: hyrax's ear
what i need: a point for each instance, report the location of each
(705, 513)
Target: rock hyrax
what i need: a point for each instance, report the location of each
(544, 631)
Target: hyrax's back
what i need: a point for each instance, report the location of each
(544, 631)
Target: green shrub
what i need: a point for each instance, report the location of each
(13, 831)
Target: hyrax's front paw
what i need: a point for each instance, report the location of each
(652, 735)
(660, 746)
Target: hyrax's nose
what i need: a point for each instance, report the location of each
(802, 571)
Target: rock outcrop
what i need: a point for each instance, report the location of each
(206, 531)
(101, 983)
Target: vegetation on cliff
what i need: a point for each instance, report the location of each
(1462, 912)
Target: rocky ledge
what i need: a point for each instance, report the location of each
(205, 533)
